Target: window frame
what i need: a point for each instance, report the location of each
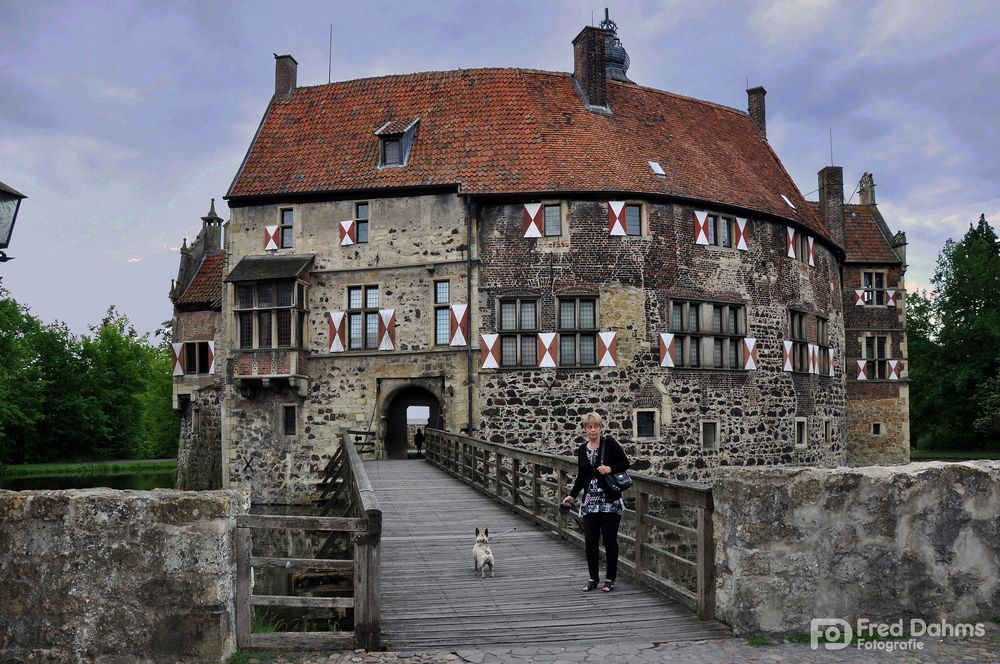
(286, 230)
(877, 429)
(716, 443)
(545, 226)
(439, 306)
(801, 423)
(828, 431)
(802, 247)
(872, 294)
(519, 333)
(298, 315)
(823, 345)
(798, 334)
(655, 412)
(577, 332)
(359, 221)
(716, 223)
(283, 410)
(639, 211)
(876, 365)
(384, 142)
(705, 339)
(202, 366)
(364, 311)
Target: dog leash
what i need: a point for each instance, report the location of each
(503, 533)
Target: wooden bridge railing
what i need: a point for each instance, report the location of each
(345, 482)
(667, 525)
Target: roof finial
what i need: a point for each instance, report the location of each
(211, 217)
(607, 24)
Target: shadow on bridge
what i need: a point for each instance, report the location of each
(432, 598)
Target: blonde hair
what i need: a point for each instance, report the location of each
(593, 418)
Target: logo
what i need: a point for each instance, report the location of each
(836, 634)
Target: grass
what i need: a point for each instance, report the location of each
(244, 656)
(265, 622)
(78, 469)
(951, 455)
(758, 640)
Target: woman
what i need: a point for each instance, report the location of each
(602, 507)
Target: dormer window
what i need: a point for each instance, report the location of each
(392, 151)
(395, 140)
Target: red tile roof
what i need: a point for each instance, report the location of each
(206, 285)
(864, 241)
(517, 131)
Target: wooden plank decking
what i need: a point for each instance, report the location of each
(432, 598)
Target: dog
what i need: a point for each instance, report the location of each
(482, 556)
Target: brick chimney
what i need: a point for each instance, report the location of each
(867, 189)
(755, 108)
(285, 73)
(831, 201)
(588, 66)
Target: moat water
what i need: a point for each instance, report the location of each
(138, 481)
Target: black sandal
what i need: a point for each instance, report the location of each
(608, 586)
(590, 586)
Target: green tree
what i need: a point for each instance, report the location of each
(965, 358)
(927, 387)
(19, 384)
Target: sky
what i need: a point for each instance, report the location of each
(121, 120)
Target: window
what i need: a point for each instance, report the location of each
(801, 247)
(801, 432)
(577, 332)
(876, 428)
(823, 341)
(874, 285)
(361, 223)
(828, 431)
(721, 230)
(553, 219)
(875, 353)
(710, 435)
(645, 424)
(195, 420)
(442, 313)
(800, 345)
(196, 358)
(288, 420)
(392, 151)
(271, 314)
(362, 317)
(518, 336)
(633, 220)
(721, 339)
(286, 228)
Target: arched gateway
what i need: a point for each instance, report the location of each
(394, 416)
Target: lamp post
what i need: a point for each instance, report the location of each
(10, 202)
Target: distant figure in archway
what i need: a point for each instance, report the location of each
(418, 440)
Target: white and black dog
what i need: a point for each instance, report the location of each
(482, 556)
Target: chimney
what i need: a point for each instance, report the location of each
(867, 189)
(831, 201)
(285, 73)
(755, 108)
(588, 66)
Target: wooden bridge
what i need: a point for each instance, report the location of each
(413, 521)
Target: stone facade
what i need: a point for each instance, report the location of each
(96, 575)
(414, 243)
(883, 543)
(634, 281)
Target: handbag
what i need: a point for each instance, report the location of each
(616, 481)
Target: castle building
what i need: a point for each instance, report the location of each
(511, 248)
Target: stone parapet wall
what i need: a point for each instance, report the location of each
(96, 575)
(882, 543)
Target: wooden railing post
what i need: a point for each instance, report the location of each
(244, 546)
(536, 478)
(641, 507)
(361, 612)
(706, 565)
(560, 515)
(499, 469)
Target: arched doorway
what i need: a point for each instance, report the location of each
(395, 413)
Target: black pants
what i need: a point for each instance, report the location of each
(596, 526)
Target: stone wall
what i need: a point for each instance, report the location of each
(884, 543)
(96, 575)
(199, 454)
(635, 280)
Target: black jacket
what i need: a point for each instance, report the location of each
(614, 456)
